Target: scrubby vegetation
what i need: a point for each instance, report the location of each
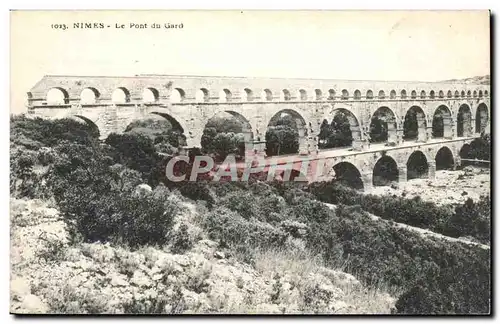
(115, 191)
(470, 219)
(480, 148)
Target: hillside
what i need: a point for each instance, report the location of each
(49, 275)
(484, 79)
(97, 227)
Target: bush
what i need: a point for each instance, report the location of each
(266, 208)
(471, 219)
(181, 241)
(99, 202)
(120, 217)
(22, 176)
(231, 230)
(34, 133)
(468, 220)
(480, 148)
(135, 151)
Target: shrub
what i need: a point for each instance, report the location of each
(232, 230)
(99, 203)
(468, 219)
(34, 133)
(266, 209)
(181, 241)
(22, 177)
(471, 219)
(135, 151)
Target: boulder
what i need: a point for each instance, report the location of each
(19, 288)
(219, 255)
(140, 279)
(143, 189)
(119, 280)
(32, 304)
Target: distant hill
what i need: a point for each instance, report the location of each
(485, 79)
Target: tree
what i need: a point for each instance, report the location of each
(378, 130)
(480, 148)
(438, 125)
(410, 125)
(135, 151)
(223, 136)
(282, 137)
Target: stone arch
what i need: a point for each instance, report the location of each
(348, 174)
(383, 126)
(177, 95)
(285, 95)
(247, 94)
(225, 95)
(331, 94)
(480, 94)
(414, 94)
(381, 94)
(150, 95)
(417, 166)
(357, 95)
(303, 94)
(457, 94)
(441, 122)
(449, 94)
(319, 94)
(301, 127)
(345, 94)
(385, 171)
(444, 159)
(354, 125)
(176, 124)
(422, 94)
(57, 96)
(474, 94)
(392, 95)
(202, 95)
(441, 94)
(486, 93)
(369, 94)
(403, 94)
(465, 153)
(432, 94)
(468, 94)
(267, 95)
(89, 96)
(464, 121)
(149, 121)
(482, 117)
(415, 124)
(89, 122)
(246, 129)
(462, 94)
(120, 95)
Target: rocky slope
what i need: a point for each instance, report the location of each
(448, 187)
(50, 275)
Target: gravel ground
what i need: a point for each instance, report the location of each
(449, 187)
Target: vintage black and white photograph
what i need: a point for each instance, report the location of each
(250, 162)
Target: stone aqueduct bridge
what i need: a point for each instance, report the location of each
(188, 102)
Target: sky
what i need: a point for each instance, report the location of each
(352, 45)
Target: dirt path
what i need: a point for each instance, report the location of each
(423, 232)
